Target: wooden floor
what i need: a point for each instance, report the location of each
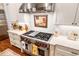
(4, 44)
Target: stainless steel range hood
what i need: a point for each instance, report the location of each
(37, 7)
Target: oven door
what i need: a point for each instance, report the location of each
(26, 46)
(43, 52)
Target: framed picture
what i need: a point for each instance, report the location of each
(40, 21)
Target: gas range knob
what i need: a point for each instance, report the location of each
(41, 44)
(45, 45)
(29, 42)
(26, 40)
(38, 44)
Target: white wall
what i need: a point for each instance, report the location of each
(65, 29)
(12, 13)
(29, 20)
(50, 25)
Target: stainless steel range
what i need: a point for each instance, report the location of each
(33, 43)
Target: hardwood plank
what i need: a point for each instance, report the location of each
(4, 44)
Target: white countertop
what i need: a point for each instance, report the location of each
(18, 32)
(60, 40)
(64, 41)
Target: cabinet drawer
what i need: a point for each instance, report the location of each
(60, 52)
(65, 51)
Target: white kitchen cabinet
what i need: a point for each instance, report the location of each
(1, 6)
(65, 13)
(51, 50)
(15, 39)
(77, 16)
(12, 13)
(65, 51)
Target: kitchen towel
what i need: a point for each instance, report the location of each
(34, 49)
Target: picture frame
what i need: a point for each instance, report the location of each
(40, 20)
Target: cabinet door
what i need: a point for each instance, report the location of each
(12, 10)
(77, 16)
(65, 13)
(11, 36)
(51, 50)
(15, 39)
(12, 13)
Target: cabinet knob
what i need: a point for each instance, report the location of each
(75, 23)
(72, 23)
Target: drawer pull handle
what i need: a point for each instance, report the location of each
(74, 53)
(75, 23)
(72, 23)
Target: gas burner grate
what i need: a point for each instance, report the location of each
(43, 36)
